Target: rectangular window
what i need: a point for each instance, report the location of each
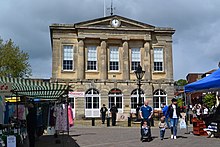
(67, 57)
(114, 58)
(92, 58)
(158, 59)
(135, 58)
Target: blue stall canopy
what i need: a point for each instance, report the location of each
(210, 82)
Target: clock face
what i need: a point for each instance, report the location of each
(115, 23)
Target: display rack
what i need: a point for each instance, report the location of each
(198, 126)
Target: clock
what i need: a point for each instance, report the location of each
(115, 22)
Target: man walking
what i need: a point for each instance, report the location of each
(146, 113)
(114, 111)
(103, 111)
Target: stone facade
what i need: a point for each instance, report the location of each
(103, 33)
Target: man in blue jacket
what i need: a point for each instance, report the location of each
(166, 114)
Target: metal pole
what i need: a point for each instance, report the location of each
(139, 92)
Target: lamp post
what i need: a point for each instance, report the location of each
(139, 74)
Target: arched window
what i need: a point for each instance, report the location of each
(92, 105)
(135, 99)
(160, 97)
(115, 97)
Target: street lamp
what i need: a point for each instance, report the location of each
(139, 74)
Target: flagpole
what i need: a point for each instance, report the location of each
(104, 9)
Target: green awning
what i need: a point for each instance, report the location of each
(35, 89)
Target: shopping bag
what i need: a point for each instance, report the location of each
(182, 124)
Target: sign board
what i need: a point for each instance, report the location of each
(5, 88)
(11, 141)
(73, 94)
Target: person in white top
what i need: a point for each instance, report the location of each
(174, 113)
(198, 110)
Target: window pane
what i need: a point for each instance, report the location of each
(92, 58)
(88, 103)
(135, 58)
(158, 66)
(114, 65)
(114, 58)
(111, 101)
(158, 59)
(134, 65)
(133, 102)
(119, 102)
(163, 100)
(156, 102)
(91, 65)
(95, 102)
(67, 57)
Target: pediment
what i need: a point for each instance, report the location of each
(105, 23)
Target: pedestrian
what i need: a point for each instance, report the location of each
(114, 111)
(31, 124)
(205, 114)
(198, 109)
(146, 113)
(103, 111)
(174, 113)
(162, 126)
(166, 114)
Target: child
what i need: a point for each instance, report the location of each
(162, 125)
(145, 128)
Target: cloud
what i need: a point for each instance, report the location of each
(195, 43)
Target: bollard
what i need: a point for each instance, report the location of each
(93, 121)
(108, 121)
(129, 121)
(152, 122)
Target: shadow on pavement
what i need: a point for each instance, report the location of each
(182, 137)
(60, 141)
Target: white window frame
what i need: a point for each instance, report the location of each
(92, 56)
(135, 57)
(114, 57)
(136, 96)
(120, 110)
(159, 96)
(159, 59)
(92, 112)
(68, 56)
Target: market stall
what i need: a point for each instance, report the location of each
(29, 90)
(211, 83)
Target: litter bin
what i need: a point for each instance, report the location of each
(108, 121)
(93, 121)
(129, 121)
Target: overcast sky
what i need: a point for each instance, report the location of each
(196, 42)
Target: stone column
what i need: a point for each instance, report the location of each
(104, 63)
(147, 62)
(81, 61)
(126, 67)
(168, 65)
(57, 58)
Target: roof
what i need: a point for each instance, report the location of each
(210, 82)
(35, 89)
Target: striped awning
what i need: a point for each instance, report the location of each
(35, 89)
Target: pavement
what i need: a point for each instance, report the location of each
(122, 136)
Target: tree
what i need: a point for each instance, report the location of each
(181, 82)
(209, 100)
(13, 61)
